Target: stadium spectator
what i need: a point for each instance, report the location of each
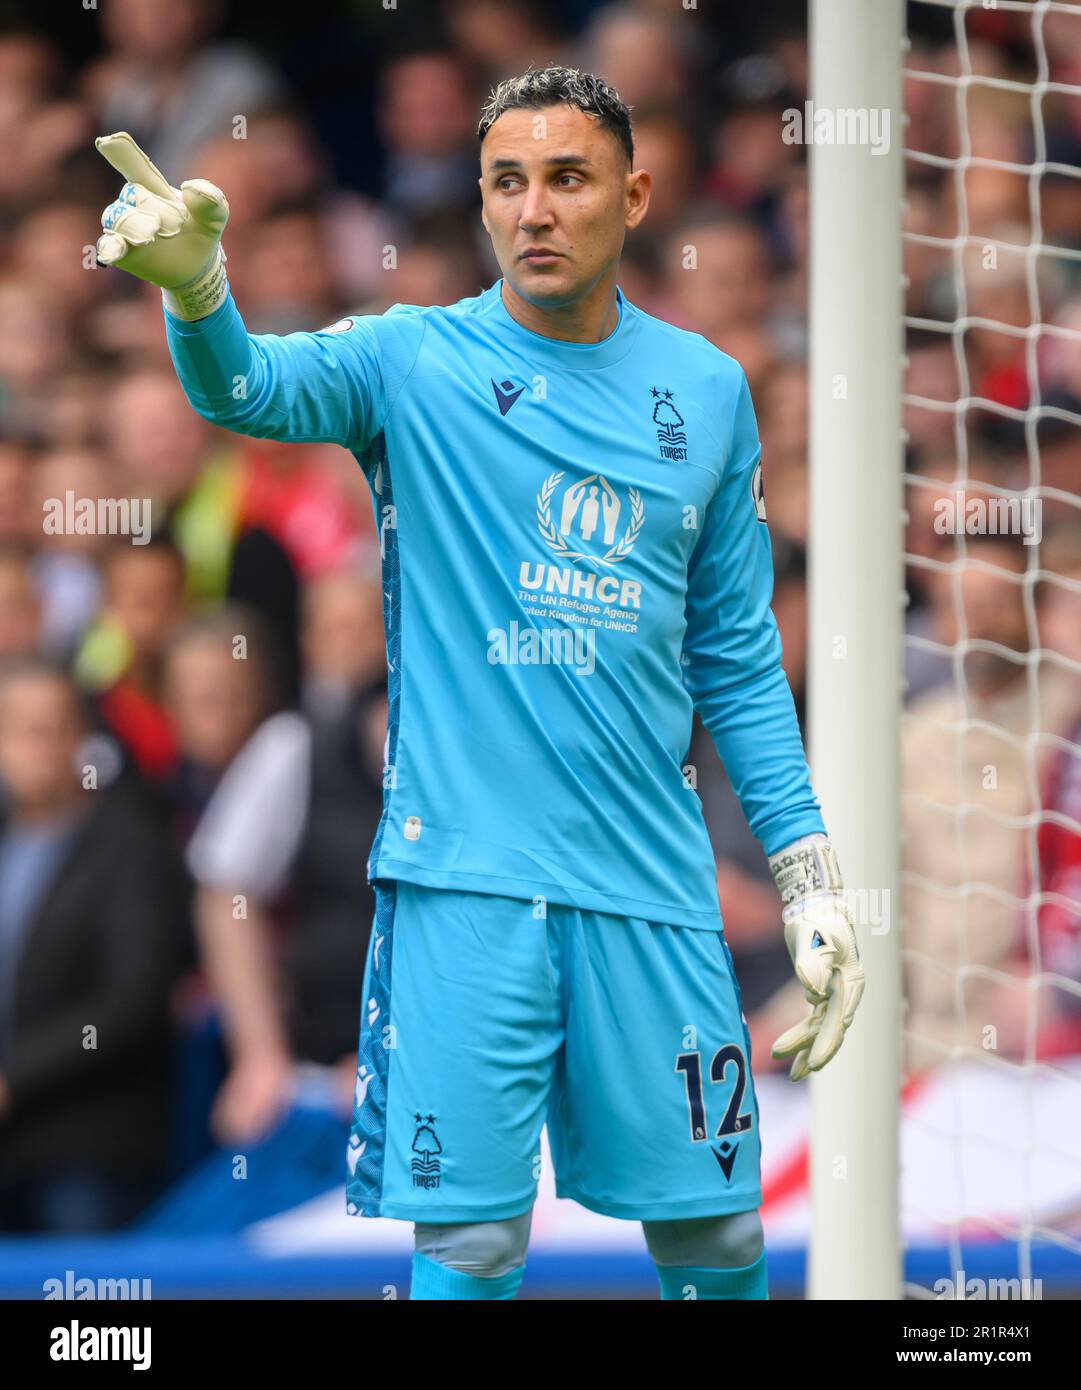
(93, 937)
(973, 752)
(427, 119)
(1039, 1013)
(17, 521)
(67, 571)
(500, 36)
(161, 450)
(1037, 1007)
(169, 83)
(283, 908)
(651, 58)
(121, 660)
(718, 280)
(20, 607)
(342, 639)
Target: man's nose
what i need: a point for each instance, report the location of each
(536, 209)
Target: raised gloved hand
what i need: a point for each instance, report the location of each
(169, 236)
(821, 940)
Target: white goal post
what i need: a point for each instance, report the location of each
(856, 593)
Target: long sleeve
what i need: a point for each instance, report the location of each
(732, 651)
(330, 386)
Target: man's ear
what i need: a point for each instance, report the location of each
(483, 214)
(641, 182)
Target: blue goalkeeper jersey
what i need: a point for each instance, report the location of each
(575, 558)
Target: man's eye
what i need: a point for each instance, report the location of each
(573, 177)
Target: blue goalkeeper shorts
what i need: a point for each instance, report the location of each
(484, 1017)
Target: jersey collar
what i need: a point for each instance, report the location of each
(573, 356)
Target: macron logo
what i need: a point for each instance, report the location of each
(506, 394)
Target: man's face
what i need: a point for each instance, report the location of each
(342, 631)
(146, 595)
(988, 596)
(212, 699)
(39, 739)
(558, 198)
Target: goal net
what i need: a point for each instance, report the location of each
(991, 725)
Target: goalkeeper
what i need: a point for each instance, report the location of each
(576, 558)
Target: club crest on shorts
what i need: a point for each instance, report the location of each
(426, 1147)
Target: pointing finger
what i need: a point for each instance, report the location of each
(133, 163)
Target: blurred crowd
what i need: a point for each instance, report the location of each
(191, 729)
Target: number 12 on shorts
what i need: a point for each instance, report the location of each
(690, 1064)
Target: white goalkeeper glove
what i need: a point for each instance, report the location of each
(822, 943)
(169, 236)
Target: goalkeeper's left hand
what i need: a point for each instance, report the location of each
(821, 940)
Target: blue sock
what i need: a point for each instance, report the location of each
(433, 1280)
(687, 1283)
